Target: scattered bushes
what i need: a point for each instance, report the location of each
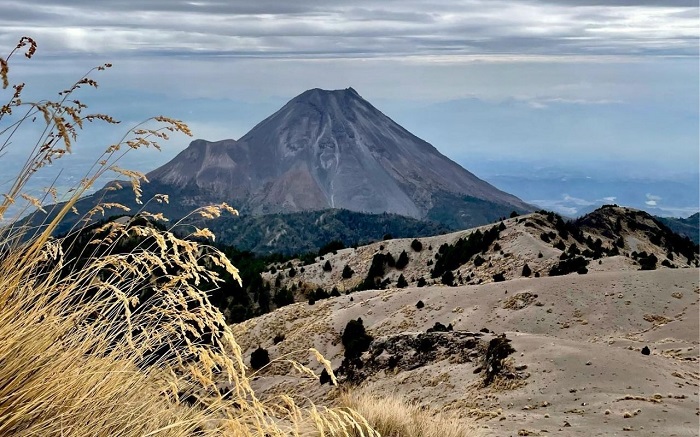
(526, 271)
(283, 297)
(327, 267)
(574, 264)
(648, 262)
(451, 257)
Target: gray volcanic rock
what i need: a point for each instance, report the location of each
(326, 149)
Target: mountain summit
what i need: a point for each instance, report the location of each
(333, 149)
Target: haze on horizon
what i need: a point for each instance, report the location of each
(526, 94)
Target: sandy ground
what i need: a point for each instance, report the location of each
(580, 337)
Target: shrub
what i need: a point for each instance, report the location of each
(514, 214)
(355, 339)
(499, 277)
(279, 338)
(327, 267)
(648, 262)
(439, 327)
(421, 282)
(448, 278)
(416, 245)
(499, 349)
(259, 358)
(402, 261)
(574, 264)
(526, 271)
(347, 272)
(283, 297)
(420, 304)
(401, 282)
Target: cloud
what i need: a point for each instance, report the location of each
(652, 200)
(361, 29)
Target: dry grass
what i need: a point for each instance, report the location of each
(392, 416)
(124, 344)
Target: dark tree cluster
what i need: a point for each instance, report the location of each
(452, 256)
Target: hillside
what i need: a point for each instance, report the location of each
(609, 239)
(579, 366)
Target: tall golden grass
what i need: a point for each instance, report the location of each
(84, 351)
(392, 416)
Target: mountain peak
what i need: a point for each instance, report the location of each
(334, 149)
(318, 96)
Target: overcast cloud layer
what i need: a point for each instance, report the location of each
(357, 27)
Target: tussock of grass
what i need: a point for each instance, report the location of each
(124, 344)
(392, 416)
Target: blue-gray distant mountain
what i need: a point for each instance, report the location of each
(333, 149)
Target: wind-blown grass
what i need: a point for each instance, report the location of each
(124, 344)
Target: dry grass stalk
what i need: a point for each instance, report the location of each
(120, 344)
(392, 416)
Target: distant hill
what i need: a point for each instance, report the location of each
(610, 238)
(690, 227)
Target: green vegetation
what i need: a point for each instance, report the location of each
(293, 233)
(452, 256)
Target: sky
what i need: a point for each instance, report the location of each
(574, 84)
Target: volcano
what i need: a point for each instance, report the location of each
(328, 149)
